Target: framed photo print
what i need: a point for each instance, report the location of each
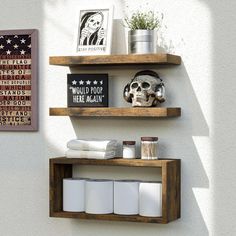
(94, 33)
(18, 80)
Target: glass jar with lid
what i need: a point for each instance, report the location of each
(149, 148)
(129, 149)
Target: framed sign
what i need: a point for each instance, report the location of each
(87, 90)
(18, 80)
(94, 33)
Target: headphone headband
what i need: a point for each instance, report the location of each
(147, 72)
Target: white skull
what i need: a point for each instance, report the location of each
(146, 91)
(94, 22)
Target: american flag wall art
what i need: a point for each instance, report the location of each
(18, 80)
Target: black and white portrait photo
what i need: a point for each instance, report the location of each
(94, 31)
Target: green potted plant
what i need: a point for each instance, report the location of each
(142, 34)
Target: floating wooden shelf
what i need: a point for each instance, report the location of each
(129, 59)
(118, 161)
(153, 112)
(110, 217)
(62, 168)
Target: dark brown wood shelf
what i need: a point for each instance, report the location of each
(118, 161)
(129, 59)
(61, 167)
(110, 217)
(154, 112)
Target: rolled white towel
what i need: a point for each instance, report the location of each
(92, 145)
(89, 154)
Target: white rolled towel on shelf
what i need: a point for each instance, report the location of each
(89, 154)
(126, 196)
(99, 196)
(92, 145)
(150, 199)
(73, 194)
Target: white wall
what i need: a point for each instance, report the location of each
(203, 33)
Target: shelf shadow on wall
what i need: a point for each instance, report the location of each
(223, 113)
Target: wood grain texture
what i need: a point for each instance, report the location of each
(109, 217)
(154, 112)
(61, 167)
(171, 191)
(57, 172)
(111, 162)
(129, 59)
(174, 190)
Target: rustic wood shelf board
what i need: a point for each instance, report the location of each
(117, 112)
(109, 217)
(129, 59)
(118, 161)
(61, 167)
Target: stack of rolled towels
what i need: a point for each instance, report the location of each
(91, 149)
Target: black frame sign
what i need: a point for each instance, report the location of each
(18, 80)
(87, 90)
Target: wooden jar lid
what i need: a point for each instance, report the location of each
(149, 139)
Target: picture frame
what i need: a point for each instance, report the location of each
(18, 80)
(94, 31)
(87, 90)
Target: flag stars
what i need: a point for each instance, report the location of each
(22, 52)
(8, 41)
(8, 52)
(29, 46)
(74, 82)
(101, 82)
(16, 46)
(81, 82)
(95, 82)
(1, 37)
(15, 36)
(1, 46)
(88, 82)
(22, 41)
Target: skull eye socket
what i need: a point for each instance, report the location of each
(92, 20)
(145, 85)
(134, 85)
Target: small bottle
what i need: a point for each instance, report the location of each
(149, 148)
(129, 149)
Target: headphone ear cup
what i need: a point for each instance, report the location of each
(126, 93)
(160, 93)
